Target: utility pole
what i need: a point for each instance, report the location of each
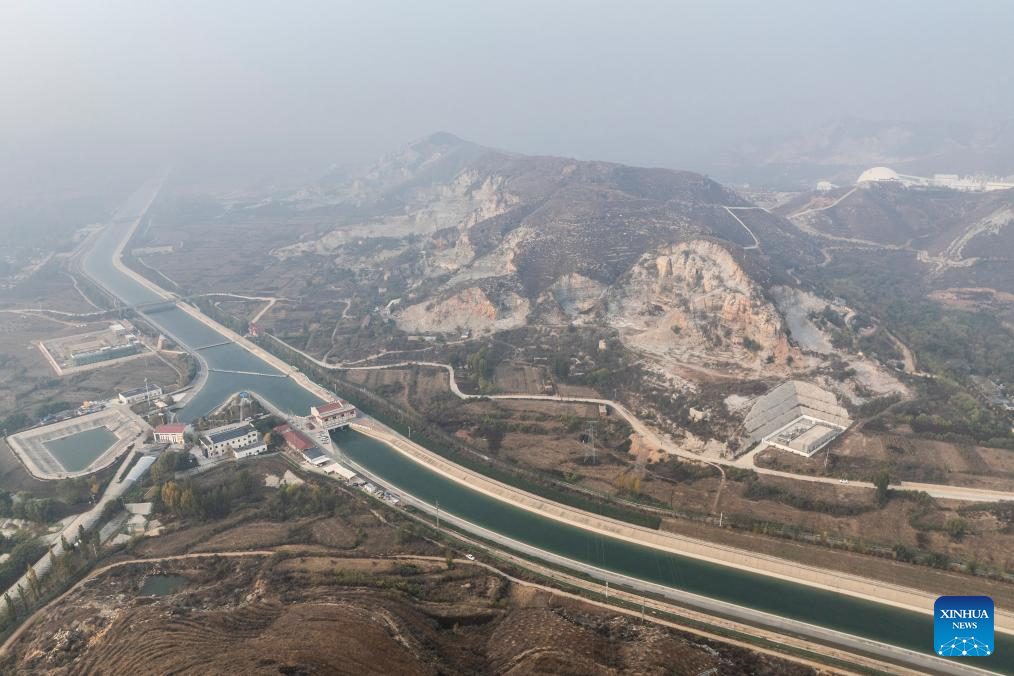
(147, 395)
(590, 452)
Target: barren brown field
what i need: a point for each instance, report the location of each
(512, 378)
(346, 592)
(566, 390)
(858, 455)
(29, 381)
(50, 288)
(323, 614)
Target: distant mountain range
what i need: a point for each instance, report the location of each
(841, 149)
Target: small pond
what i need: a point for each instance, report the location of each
(76, 451)
(161, 585)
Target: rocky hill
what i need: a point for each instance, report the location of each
(692, 301)
(948, 228)
(496, 240)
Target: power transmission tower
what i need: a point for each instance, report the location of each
(147, 395)
(590, 452)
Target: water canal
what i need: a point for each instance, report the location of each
(824, 608)
(815, 606)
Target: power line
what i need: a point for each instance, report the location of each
(590, 452)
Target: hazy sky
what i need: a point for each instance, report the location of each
(90, 88)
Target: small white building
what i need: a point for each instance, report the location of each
(315, 456)
(342, 472)
(334, 415)
(221, 440)
(139, 394)
(255, 448)
(171, 433)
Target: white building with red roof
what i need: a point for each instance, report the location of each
(171, 433)
(333, 415)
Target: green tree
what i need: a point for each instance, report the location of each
(956, 527)
(880, 483)
(493, 431)
(23, 595)
(171, 496)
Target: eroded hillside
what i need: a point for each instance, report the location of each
(494, 241)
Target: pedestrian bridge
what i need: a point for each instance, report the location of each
(249, 373)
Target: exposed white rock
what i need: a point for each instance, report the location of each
(469, 309)
(462, 203)
(693, 301)
(796, 306)
(497, 263)
(575, 293)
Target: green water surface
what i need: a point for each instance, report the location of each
(77, 451)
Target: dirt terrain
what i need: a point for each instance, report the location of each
(323, 614)
(859, 454)
(29, 381)
(348, 590)
(834, 526)
(51, 287)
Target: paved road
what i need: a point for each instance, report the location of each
(712, 606)
(832, 205)
(756, 242)
(947, 492)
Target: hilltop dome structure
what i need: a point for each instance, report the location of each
(877, 174)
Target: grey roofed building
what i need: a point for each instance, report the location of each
(230, 434)
(789, 401)
(223, 439)
(313, 453)
(315, 456)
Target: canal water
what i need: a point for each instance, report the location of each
(815, 606)
(283, 392)
(876, 621)
(77, 451)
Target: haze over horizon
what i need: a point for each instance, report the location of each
(442, 337)
(243, 90)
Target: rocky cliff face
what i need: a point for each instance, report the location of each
(472, 309)
(694, 301)
(466, 199)
(497, 240)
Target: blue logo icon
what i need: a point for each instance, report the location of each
(963, 626)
